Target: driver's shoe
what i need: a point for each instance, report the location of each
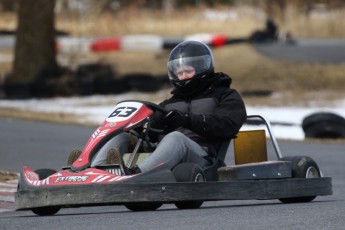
(73, 156)
(114, 157)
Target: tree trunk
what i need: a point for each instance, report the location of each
(35, 40)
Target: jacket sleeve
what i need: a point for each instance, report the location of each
(157, 122)
(226, 120)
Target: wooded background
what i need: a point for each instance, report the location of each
(35, 26)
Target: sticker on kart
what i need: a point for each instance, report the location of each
(124, 111)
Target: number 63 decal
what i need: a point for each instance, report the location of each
(123, 112)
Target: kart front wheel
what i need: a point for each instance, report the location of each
(302, 167)
(189, 172)
(137, 207)
(45, 211)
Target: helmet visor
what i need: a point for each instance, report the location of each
(188, 65)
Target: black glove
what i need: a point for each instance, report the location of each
(175, 119)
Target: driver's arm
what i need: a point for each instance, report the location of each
(157, 122)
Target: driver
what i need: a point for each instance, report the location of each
(202, 112)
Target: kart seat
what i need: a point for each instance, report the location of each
(250, 147)
(216, 162)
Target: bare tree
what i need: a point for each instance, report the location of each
(35, 39)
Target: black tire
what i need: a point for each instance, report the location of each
(142, 82)
(164, 79)
(45, 211)
(302, 167)
(109, 85)
(138, 207)
(189, 172)
(325, 130)
(94, 77)
(257, 93)
(44, 173)
(324, 125)
(50, 81)
(15, 90)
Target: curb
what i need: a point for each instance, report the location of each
(7, 190)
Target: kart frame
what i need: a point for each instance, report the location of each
(170, 192)
(165, 189)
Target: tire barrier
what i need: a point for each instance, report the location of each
(324, 125)
(47, 80)
(257, 93)
(142, 82)
(14, 90)
(87, 79)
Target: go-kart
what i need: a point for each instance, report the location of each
(289, 179)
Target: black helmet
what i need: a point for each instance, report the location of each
(190, 53)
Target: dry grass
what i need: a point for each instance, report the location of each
(328, 24)
(134, 21)
(6, 176)
(319, 24)
(249, 69)
(61, 118)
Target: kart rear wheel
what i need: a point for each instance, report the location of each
(302, 167)
(137, 207)
(45, 211)
(189, 172)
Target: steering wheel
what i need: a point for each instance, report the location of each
(154, 106)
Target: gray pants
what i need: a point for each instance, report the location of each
(174, 148)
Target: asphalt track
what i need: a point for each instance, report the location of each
(40, 145)
(306, 51)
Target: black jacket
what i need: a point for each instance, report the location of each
(217, 112)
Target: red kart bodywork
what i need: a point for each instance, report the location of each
(67, 177)
(125, 116)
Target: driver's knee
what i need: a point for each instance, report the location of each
(175, 137)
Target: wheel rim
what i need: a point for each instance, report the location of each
(199, 178)
(312, 172)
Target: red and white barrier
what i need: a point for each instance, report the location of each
(129, 43)
(151, 42)
(74, 45)
(214, 40)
